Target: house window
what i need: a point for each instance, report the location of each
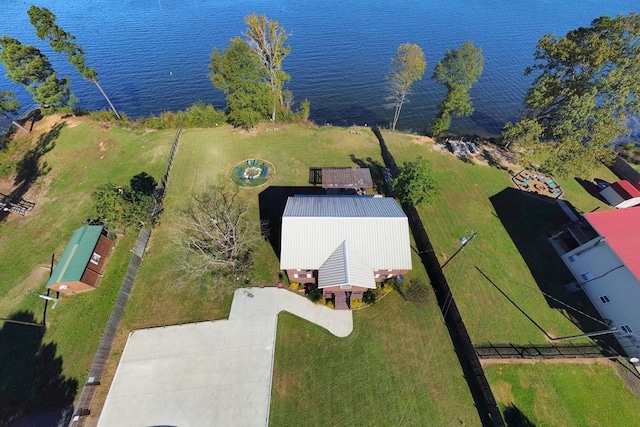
(295, 276)
(377, 276)
(298, 269)
(626, 328)
(95, 258)
(309, 275)
(345, 286)
(587, 276)
(605, 299)
(573, 257)
(389, 276)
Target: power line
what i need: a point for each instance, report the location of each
(550, 296)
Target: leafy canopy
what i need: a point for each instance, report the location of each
(407, 67)
(44, 22)
(584, 89)
(415, 184)
(267, 40)
(125, 209)
(237, 71)
(458, 71)
(8, 102)
(27, 66)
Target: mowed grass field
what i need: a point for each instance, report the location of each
(399, 360)
(403, 366)
(511, 247)
(563, 395)
(81, 157)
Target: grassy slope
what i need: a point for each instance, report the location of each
(563, 395)
(158, 297)
(466, 205)
(97, 156)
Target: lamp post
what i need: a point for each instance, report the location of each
(464, 241)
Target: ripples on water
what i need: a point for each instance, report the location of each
(153, 55)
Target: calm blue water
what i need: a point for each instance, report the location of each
(153, 55)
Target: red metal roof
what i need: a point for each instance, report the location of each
(625, 189)
(621, 228)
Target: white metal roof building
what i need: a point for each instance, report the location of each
(320, 231)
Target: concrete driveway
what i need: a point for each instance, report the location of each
(209, 373)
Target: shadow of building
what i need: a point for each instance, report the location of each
(271, 202)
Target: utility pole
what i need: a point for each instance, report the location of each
(463, 242)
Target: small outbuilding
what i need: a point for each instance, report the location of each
(83, 261)
(622, 194)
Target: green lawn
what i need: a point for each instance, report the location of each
(161, 296)
(563, 395)
(511, 247)
(397, 368)
(79, 159)
(392, 342)
(399, 361)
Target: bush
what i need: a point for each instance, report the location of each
(356, 303)
(244, 118)
(143, 183)
(294, 286)
(417, 292)
(387, 287)
(315, 295)
(415, 184)
(125, 209)
(329, 304)
(369, 297)
(202, 115)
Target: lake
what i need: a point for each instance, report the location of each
(153, 55)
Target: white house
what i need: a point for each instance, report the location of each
(621, 194)
(345, 244)
(602, 252)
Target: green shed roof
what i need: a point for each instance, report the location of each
(76, 256)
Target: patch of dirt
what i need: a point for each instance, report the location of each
(488, 154)
(423, 140)
(12, 298)
(36, 192)
(492, 155)
(503, 392)
(289, 383)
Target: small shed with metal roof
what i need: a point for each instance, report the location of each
(83, 261)
(344, 244)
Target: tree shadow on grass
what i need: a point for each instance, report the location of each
(513, 417)
(33, 389)
(30, 167)
(272, 201)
